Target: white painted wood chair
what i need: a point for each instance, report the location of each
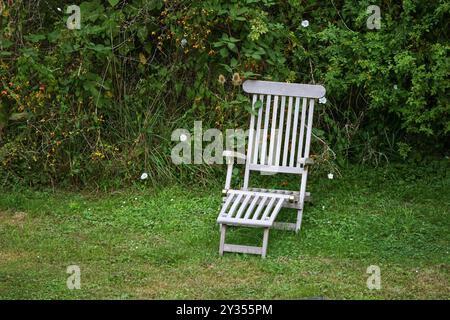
(279, 142)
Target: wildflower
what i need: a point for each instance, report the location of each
(183, 43)
(395, 87)
(323, 100)
(144, 176)
(222, 79)
(236, 79)
(330, 176)
(305, 23)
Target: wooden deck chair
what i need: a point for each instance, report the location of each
(279, 141)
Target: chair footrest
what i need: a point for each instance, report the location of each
(251, 208)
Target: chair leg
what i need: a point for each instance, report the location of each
(299, 220)
(223, 230)
(265, 242)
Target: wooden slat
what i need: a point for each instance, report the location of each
(250, 144)
(259, 208)
(265, 130)
(243, 206)
(226, 204)
(284, 89)
(258, 131)
(277, 209)
(284, 225)
(242, 249)
(280, 132)
(294, 133)
(243, 222)
(272, 131)
(302, 131)
(261, 194)
(268, 208)
(276, 169)
(309, 129)
(235, 204)
(252, 206)
(288, 132)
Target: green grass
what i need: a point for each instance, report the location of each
(140, 243)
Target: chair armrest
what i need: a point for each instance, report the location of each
(306, 161)
(233, 154)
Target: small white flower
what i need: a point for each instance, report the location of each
(323, 207)
(183, 137)
(323, 100)
(305, 23)
(395, 87)
(135, 198)
(330, 176)
(171, 199)
(59, 9)
(144, 176)
(183, 42)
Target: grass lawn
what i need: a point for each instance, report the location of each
(147, 244)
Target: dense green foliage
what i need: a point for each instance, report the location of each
(80, 106)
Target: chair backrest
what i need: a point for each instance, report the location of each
(280, 129)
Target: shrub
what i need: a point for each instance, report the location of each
(100, 103)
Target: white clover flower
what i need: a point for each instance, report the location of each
(305, 23)
(323, 100)
(183, 42)
(330, 176)
(144, 176)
